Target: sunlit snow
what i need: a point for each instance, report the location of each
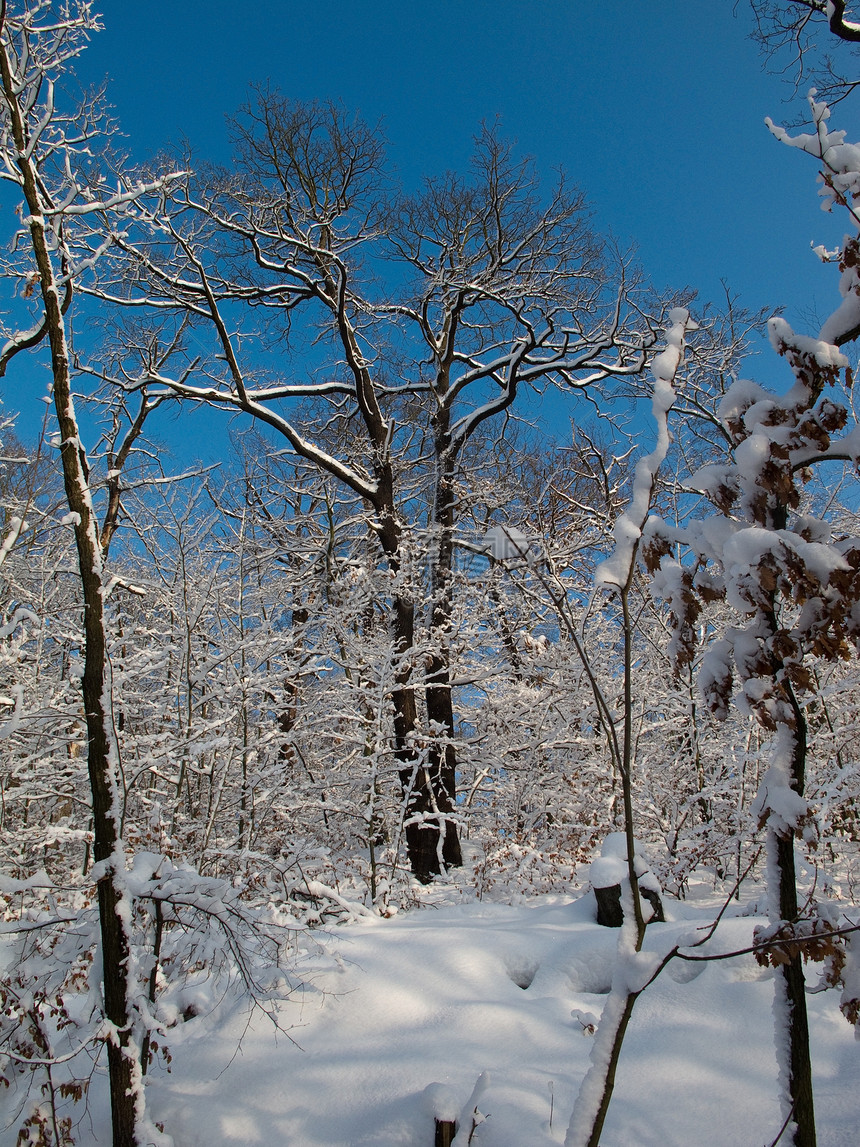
(400, 1018)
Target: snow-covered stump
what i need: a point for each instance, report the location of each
(652, 895)
(443, 1105)
(609, 911)
(607, 874)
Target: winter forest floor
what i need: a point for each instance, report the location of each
(398, 1019)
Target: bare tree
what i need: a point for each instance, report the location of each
(41, 149)
(784, 20)
(792, 35)
(493, 290)
(616, 575)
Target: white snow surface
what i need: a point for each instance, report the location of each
(401, 1018)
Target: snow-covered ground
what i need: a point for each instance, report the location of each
(400, 1018)
(441, 995)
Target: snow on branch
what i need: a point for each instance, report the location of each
(617, 569)
(840, 185)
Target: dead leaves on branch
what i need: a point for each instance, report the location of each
(684, 612)
(813, 939)
(801, 592)
(819, 606)
(817, 940)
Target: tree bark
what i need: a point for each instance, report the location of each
(439, 699)
(794, 986)
(799, 1063)
(102, 747)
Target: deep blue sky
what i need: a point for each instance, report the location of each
(655, 109)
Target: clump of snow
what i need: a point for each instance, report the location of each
(606, 871)
(776, 801)
(824, 353)
(506, 543)
(442, 1102)
(614, 847)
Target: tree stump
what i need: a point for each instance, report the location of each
(609, 911)
(606, 874)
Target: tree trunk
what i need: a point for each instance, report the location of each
(422, 823)
(443, 758)
(795, 1060)
(102, 748)
(423, 807)
(439, 699)
(793, 984)
(798, 1061)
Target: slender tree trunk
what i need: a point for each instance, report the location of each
(102, 746)
(790, 977)
(102, 751)
(595, 1096)
(795, 1060)
(792, 983)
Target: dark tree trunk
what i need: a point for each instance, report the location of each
(443, 758)
(426, 802)
(446, 1130)
(437, 681)
(101, 760)
(799, 1062)
(114, 941)
(101, 745)
(799, 1065)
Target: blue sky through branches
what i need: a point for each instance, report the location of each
(655, 110)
